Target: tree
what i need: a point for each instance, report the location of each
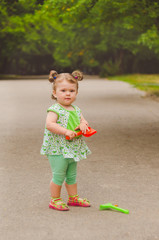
(97, 36)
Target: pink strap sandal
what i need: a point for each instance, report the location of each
(76, 201)
(57, 204)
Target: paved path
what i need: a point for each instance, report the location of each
(123, 169)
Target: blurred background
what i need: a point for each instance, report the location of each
(102, 37)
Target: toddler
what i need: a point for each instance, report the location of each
(64, 119)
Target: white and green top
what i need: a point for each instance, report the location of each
(56, 144)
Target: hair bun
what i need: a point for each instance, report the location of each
(53, 75)
(77, 75)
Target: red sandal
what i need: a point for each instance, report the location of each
(76, 201)
(57, 204)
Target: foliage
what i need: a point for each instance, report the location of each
(98, 36)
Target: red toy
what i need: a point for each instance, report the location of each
(88, 133)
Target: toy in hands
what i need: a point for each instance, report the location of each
(88, 133)
(109, 206)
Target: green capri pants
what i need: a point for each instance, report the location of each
(63, 169)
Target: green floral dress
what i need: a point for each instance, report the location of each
(55, 144)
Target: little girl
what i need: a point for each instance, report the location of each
(64, 119)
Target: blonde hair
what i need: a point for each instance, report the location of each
(73, 77)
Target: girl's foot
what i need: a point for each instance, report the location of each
(57, 204)
(76, 201)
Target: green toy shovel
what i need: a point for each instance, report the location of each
(108, 206)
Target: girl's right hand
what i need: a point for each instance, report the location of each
(70, 134)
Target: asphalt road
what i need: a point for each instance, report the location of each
(123, 168)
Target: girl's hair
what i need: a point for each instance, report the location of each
(73, 77)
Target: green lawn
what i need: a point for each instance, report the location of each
(146, 82)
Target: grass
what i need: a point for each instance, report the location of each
(145, 82)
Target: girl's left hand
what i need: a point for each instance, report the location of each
(83, 127)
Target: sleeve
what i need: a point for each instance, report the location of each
(53, 108)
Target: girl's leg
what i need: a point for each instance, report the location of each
(71, 189)
(71, 184)
(58, 167)
(55, 190)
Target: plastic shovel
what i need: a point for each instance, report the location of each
(88, 133)
(108, 206)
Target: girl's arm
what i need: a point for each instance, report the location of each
(83, 120)
(54, 127)
(83, 125)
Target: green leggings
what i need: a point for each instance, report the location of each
(63, 169)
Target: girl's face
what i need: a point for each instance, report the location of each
(65, 92)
